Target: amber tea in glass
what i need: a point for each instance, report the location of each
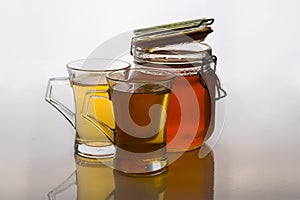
(140, 102)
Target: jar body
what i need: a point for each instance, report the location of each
(191, 111)
(179, 48)
(189, 130)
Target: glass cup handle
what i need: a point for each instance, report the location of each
(100, 125)
(66, 112)
(71, 180)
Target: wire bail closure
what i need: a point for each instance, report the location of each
(209, 79)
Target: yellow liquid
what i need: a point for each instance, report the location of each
(95, 180)
(101, 109)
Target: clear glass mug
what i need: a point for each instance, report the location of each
(86, 75)
(140, 100)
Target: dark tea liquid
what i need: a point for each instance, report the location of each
(140, 116)
(192, 129)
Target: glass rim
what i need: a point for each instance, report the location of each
(168, 76)
(69, 65)
(206, 50)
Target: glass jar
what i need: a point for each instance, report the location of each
(191, 112)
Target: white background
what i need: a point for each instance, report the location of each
(257, 43)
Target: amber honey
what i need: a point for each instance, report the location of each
(191, 131)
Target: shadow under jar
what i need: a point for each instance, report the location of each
(191, 113)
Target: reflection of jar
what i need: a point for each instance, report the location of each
(191, 112)
(191, 177)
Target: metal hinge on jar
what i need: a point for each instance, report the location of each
(209, 79)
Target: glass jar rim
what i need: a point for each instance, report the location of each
(173, 54)
(180, 59)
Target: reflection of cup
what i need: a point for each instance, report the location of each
(136, 187)
(188, 177)
(94, 179)
(140, 99)
(86, 75)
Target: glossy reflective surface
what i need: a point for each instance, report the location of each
(189, 177)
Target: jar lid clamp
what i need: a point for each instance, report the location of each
(209, 79)
(176, 47)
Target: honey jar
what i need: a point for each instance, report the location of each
(180, 48)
